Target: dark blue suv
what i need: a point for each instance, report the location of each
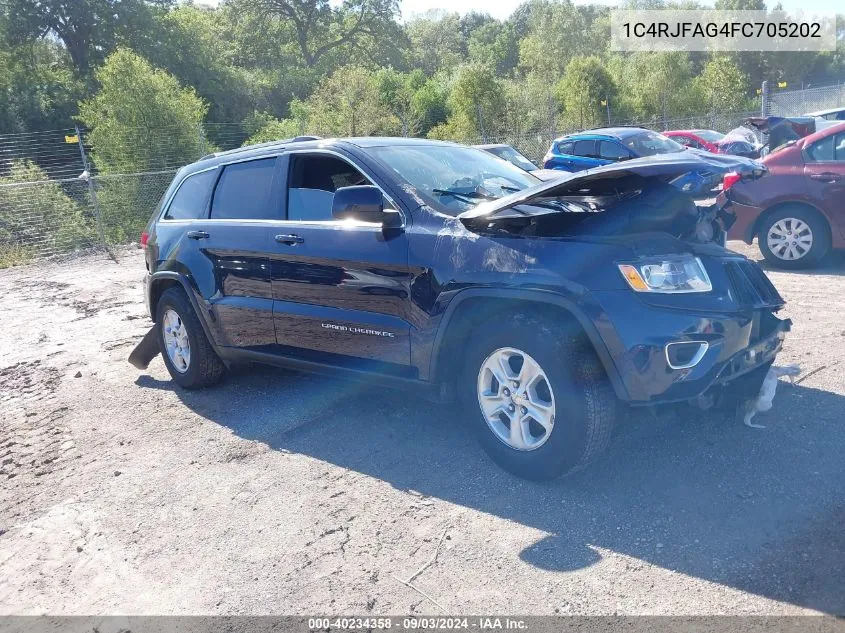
(450, 272)
(606, 145)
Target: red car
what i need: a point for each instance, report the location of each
(797, 211)
(714, 142)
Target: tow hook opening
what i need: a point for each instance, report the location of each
(685, 354)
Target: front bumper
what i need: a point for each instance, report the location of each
(637, 334)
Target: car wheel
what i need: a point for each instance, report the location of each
(187, 353)
(538, 399)
(794, 237)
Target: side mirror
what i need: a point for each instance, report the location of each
(364, 203)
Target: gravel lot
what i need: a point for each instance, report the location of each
(284, 493)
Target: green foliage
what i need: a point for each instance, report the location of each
(585, 85)
(347, 104)
(141, 119)
(722, 86)
(87, 28)
(38, 215)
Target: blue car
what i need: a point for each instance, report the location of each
(594, 148)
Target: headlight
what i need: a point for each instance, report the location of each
(667, 275)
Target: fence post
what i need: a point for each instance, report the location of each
(92, 190)
(202, 141)
(764, 99)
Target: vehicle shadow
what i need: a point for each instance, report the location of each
(693, 492)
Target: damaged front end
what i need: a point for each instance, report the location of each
(709, 344)
(670, 193)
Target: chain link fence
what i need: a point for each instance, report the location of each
(54, 201)
(799, 102)
(534, 146)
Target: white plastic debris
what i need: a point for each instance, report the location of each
(767, 393)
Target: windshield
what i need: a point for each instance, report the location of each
(514, 157)
(453, 179)
(711, 136)
(651, 143)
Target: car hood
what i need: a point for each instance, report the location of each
(692, 172)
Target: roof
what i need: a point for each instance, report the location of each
(311, 142)
(491, 146)
(823, 112)
(605, 132)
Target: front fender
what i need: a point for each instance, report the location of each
(586, 311)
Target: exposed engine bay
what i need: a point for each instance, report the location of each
(621, 203)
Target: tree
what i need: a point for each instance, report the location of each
(141, 119)
(495, 44)
(436, 42)
(89, 29)
(477, 104)
(319, 27)
(557, 32)
(347, 104)
(397, 92)
(37, 212)
(723, 86)
(585, 84)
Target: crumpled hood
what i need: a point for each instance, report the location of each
(692, 172)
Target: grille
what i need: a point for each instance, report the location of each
(750, 285)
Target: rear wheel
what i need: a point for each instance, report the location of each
(794, 237)
(187, 353)
(537, 397)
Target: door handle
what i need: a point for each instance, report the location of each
(198, 235)
(825, 177)
(289, 239)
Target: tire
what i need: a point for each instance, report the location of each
(583, 401)
(203, 367)
(812, 226)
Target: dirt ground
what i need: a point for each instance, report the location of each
(285, 493)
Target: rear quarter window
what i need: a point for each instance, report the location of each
(244, 191)
(565, 148)
(191, 199)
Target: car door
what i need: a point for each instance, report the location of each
(340, 288)
(586, 155)
(233, 242)
(824, 168)
(612, 151)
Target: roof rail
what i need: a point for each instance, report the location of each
(247, 148)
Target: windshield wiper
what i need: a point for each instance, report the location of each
(467, 195)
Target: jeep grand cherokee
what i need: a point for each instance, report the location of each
(429, 265)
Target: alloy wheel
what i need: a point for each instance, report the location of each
(516, 399)
(176, 341)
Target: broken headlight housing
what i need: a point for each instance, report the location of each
(668, 275)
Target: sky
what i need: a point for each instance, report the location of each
(501, 9)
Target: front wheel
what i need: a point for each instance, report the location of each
(187, 353)
(794, 237)
(537, 397)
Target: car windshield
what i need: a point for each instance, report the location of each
(453, 179)
(651, 143)
(711, 136)
(514, 157)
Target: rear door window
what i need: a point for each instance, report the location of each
(585, 148)
(244, 192)
(191, 199)
(831, 148)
